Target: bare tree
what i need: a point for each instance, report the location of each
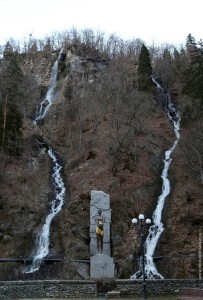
(193, 150)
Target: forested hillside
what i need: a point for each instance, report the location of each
(110, 129)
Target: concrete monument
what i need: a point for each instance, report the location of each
(101, 263)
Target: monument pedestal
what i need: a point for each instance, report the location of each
(102, 266)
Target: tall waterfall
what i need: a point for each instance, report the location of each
(42, 241)
(50, 95)
(157, 228)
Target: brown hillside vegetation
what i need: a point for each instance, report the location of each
(109, 137)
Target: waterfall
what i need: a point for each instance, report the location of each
(50, 95)
(42, 241)
(157, 228)
(159, 87)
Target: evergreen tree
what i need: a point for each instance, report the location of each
(144, 70)
(193, 77)
(190, 40)
(8, 51)
(11, 95)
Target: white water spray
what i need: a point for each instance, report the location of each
(42, 242)
(50, 95)
(157, 228)
(159, 87)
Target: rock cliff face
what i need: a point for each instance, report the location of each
(105, 146)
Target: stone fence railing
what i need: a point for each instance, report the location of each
(88, 288)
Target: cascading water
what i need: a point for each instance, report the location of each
(42, 241)
(159, 87)
(157, 228)
(50, 95)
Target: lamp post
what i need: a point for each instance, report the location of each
(141, 222)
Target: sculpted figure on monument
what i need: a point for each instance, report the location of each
(99, 230)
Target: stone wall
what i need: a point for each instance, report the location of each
(47, 289)
(157, 287)
(88, 288)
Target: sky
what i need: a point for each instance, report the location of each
(153, 21)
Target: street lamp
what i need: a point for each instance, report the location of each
(141, 222)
